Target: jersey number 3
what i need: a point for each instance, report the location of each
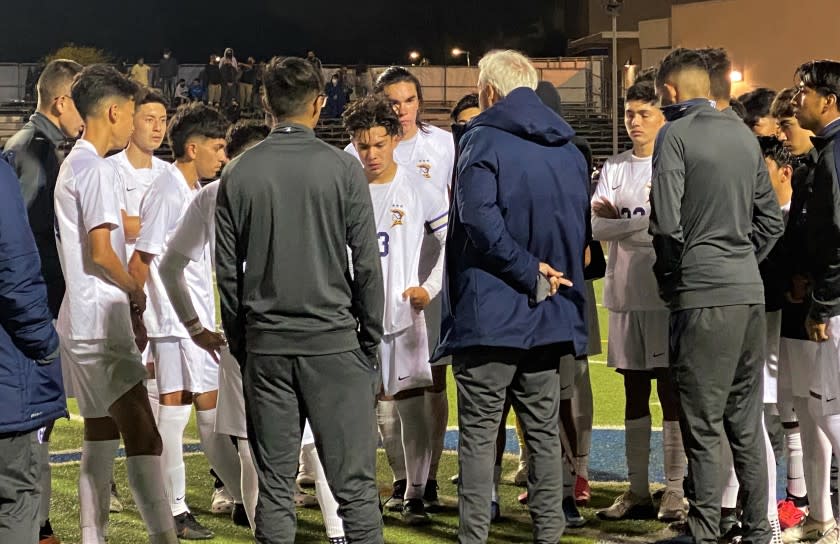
(383, 243)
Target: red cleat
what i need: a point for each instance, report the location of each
(789, 514)
(582, 492)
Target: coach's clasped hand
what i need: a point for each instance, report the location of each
(817, 331)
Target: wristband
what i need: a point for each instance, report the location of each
(195, 328)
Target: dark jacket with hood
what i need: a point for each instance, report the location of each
(521, 197)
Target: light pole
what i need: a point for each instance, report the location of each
(613, 8)
(414, 56)
(458, 52)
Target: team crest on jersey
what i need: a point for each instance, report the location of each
(425, 168)
(397, 216)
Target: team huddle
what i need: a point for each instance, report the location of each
(342, 274)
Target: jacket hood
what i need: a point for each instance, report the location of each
(523, 114)
(678, 110)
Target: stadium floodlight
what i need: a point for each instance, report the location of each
(457, 52)
(735, 76)
(414, 56)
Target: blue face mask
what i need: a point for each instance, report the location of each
(675, 111)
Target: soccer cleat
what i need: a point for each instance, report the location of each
(239, 516)
(573, 517)
(628, 506)
(495, 512)
(46, 534)
(395, 501)
(521, 477)
(305, 479)
(672, 506)
(831, 537)
(221, 502)
(454, 479)
(115, 506)
(789, 514)
(414, 513)
(776, 531)
(523, 498)
(188, 528)
(808, 529)
(305, 499)
(338, 540)
(582, 491)
(430, 496)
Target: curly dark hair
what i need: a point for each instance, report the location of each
(372, 111)
(191, 120)
(773, 148)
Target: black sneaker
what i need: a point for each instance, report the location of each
(414, 513)
(239, 516)
(338, 540)
(730, 527)
(430, 496)
(573, 517)
(46, 534)
(188, 528)
(395, 502)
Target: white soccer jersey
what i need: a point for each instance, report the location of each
(135, 182)
(87, 195)
(195, 236)
(164, 204)
(629, 284)
(404, 216)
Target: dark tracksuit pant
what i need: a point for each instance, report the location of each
(717, 358)
(337, 393)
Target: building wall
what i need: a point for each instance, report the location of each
(765, 38)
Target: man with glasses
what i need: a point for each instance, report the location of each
(37, 158)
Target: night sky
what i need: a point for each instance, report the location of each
(341, 32)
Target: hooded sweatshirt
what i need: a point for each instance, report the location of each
(521, 198)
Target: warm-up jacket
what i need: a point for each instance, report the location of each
(521, 197)
(31, 391)
(286, 212)
(714, 213)
(823, 226)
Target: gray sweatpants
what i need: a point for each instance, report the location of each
(717, 361)
(484, 376)
(20, 492)
(337, 393)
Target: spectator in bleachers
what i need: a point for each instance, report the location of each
(316, 62)
(246, 82)
(181, 93)
(362, 83)
(337, 97)
(211, 80)
(229, 69)
(196, 91)
(168, 75)
(140, 72)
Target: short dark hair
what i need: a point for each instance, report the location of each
(289, 84)
(643, 91)
(242, 133)
(56, 74)
(148, 95)
(466, 102)
(369, 112)
(678, 60)
(191, 120)
(738, 108)
(648, 74)
(757, 103)
(773, 148)
(783, 103)
(720, 67)
(821, 75)
(398, 74)
(96, 83)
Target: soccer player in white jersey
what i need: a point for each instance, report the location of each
(408, 213)
(638, 328)
(100, 313)
(430, 152)
(186, 374)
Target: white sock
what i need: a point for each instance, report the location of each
(154, 397)
(145, 479)
(830, 425)
(220, 453)
(675, 461)
(772, 508)
(437, 412)
(390, 432)
(582, 409)
(95, 488)
(250, 481)
(816, 452)
(497, 477)
(795, 471)
(637, 451)
(329, 507)
(729, 498)
(582, 466)
(415, 441)
(46, 483)
(173, 420)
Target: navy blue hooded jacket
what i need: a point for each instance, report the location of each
(521, 197)
(31, 392)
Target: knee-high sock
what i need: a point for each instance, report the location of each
(816, 452)
(171, 424)
(329, 507)
(46, 483)
(830, 425)
(675, 460)
(795, 471)
(497, 477)
(95, 489)
(250, 481)
(730, 480)
(145, 478)
(437, 412)
(772, 509)
(415, 441)
(520, 438)
(582, 408)
(391, 434)
(637, 451)
(220, 453)
(154, 397)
